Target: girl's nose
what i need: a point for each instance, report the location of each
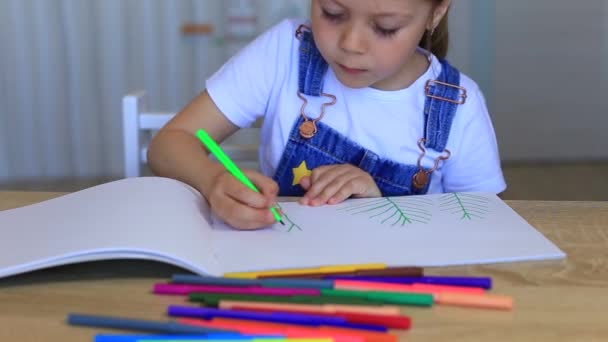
(351, 40)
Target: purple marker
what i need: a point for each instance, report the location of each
(277, 317)
(481, 282)
(181, 289)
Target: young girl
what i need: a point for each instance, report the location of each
(358, 102)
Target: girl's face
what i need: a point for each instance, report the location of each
(373, 42)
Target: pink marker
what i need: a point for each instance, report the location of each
(413, 288)
(182, 289)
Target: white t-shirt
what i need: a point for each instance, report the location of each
(262, 80)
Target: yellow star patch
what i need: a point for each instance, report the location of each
(300, 172)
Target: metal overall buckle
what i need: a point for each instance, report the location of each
(421, 178)
(462, 92)
(308, 128)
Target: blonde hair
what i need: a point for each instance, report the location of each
(437, 42)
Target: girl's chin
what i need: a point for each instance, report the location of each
(353, 82)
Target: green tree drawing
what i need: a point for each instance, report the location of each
(396, 211)
(288, 222)
(468, 206)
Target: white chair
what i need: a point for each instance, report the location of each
(139, 126)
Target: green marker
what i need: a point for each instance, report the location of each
(399, 298)
(215, 149)
(214, 299)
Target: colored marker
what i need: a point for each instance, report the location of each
(387, 271)
(215, 149)
(267, 282)
(138, 325)
(226, 323)
(181, 289)
(231, 339)
(388, 321)
(403, 288)
(444, 295)
(416, 299)
(207, 313)
(277, 317)
(213, 299)
(252, 327)
(475, 301)
(182, 338)
(305, 271)
(481, 282)
(312, 308)
(228, 339)
(245, 339)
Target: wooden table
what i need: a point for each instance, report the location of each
(554, 301)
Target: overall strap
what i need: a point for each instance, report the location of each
(312, 66)
(443, 96)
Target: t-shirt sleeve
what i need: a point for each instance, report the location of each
(242, 87)
(475, 167)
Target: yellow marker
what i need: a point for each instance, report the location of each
(305, 271)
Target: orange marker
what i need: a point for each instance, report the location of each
(328, 308)
(475, 301)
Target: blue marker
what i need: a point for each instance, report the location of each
(481, 282)
(267, 282)
(168, 327)
(277, 317)
(184, 338)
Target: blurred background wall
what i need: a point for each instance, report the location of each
(66, 64)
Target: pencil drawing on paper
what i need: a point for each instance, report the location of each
(466, 206)
(393, 211)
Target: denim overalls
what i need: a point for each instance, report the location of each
(326, 146)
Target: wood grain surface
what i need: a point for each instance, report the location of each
(554, 301)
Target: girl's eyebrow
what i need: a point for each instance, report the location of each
(393, 15)
(381, 15)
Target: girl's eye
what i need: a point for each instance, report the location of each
(331, 16)
(385, 32)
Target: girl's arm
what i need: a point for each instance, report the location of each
(175, 152)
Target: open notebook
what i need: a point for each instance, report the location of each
(168, 221)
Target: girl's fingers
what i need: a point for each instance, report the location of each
(242, 216)
(319, 171)
(342, 183)
(322, 177)
(243, 194)
(354, 186)
(267, 186)
(305, 182)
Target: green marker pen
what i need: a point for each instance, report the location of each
(215, 149)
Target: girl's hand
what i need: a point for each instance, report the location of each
(333, 184)
(239, 206)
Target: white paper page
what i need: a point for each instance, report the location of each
(148, 218)
(432, 230)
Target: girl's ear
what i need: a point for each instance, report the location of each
(439, 12)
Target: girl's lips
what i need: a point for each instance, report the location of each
(351, 70)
